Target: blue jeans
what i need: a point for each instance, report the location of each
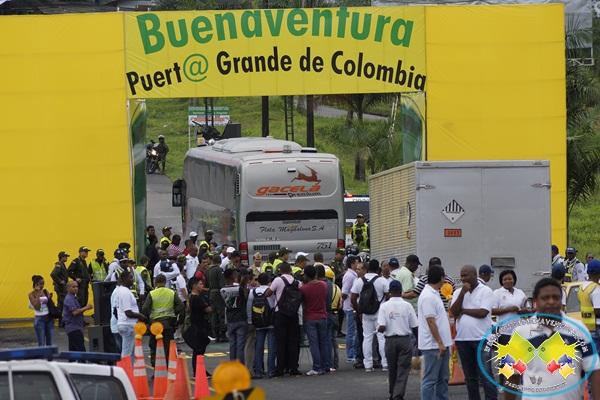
(434, 385)
(236, 332)
(43, 327)
(258, 366)
(319, 343)
(350, 335)
(127, 340)
(118, 342)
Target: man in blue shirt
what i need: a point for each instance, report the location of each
(73, 317)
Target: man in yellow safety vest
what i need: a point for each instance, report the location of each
(589, 300)
(162, 305)
(99, 267)
(360, 233)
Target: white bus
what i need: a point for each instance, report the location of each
(261, 194)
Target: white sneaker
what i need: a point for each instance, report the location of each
(312, 372)
(369, 370)
(384, 369)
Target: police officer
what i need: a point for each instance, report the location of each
(162, 305)
(337, 265)
(78, 271)
(575, 268)
(142, 270)
(99, 267)
(166, 237)
(60, 277)
(282, 256)
(208, 238)
(360, 233)
(589, 299)
(267, 266)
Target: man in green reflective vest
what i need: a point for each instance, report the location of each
(142, 270)
(360, 232)
(99, 267)
(162, 305)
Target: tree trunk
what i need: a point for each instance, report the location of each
(310, 122)
(359, 168)
(349, 117)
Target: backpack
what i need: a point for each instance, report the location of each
(262, 313)
(290, 299)
(368, 302)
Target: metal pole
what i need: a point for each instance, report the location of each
(310, 122)
(265, 116)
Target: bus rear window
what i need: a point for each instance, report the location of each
(93, 387)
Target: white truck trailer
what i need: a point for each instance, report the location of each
(465, 212)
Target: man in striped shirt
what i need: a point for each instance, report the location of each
(448, 282)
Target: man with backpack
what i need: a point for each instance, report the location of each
(288, 299)
(260, 311)
(234, 296)
(367, 294)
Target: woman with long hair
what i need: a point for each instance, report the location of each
(38, 301)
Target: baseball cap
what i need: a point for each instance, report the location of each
(83, 248)
(593, 267)
(283, 250)
(485, 269)
(63, 254)
(230, 249)
(572, 250)
(341, 251)
(209, 232)
(394, 262)
(120, 254)
(301, 254)
(413, 259)
(359, 215)
(99, 251)
(193, 234)
(395, 286)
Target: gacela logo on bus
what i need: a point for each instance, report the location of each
(295, 190)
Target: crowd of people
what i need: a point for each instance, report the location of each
(203, 292)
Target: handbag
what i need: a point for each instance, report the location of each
(53, 311)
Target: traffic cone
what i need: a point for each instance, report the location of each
(180, 389)
(201, 387)
(172, 372)
(457, 377)
(160, 371)
(140, 379)
(125, 363)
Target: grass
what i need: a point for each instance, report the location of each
(168, 117)
(584, 234)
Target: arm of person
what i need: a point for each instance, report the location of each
(178, 305)
(475, 312)
(504, 310)
(249, 306)
(140, 283)
(595, 382)
(35, 301)
(147, 307)
(436, 334)
(81, 310)
(354, 301)
(173, 274)
(133, 314)
(456, 306)
(381, 320)
(411, 294)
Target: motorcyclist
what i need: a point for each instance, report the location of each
(163, 149)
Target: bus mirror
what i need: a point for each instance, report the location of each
(178, 193)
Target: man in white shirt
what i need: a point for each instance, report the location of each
(181, 288)
(435, 338)
(485, 274)
(167, 268)
(557, 259)
(225, 261)
(347, 282)
(397, 320)
(537, 377)
(369, 319)
(139, 287)
(472, 308)
(191, 263)
(128, 313)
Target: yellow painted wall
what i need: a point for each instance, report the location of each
(65, 164)
(496, 89)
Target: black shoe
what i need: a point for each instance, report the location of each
(257, 377)
(277, 375)
(296, 373)
(359, 365)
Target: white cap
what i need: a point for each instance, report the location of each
(300, 253)
(230, 250)
(193, 234)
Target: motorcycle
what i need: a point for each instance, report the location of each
(152, 158)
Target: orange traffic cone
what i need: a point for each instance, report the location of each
(201, 387)
(160, 363)
(140, 380)
(457, 377)
(125, 363)
(172, 372)
(180, 389)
